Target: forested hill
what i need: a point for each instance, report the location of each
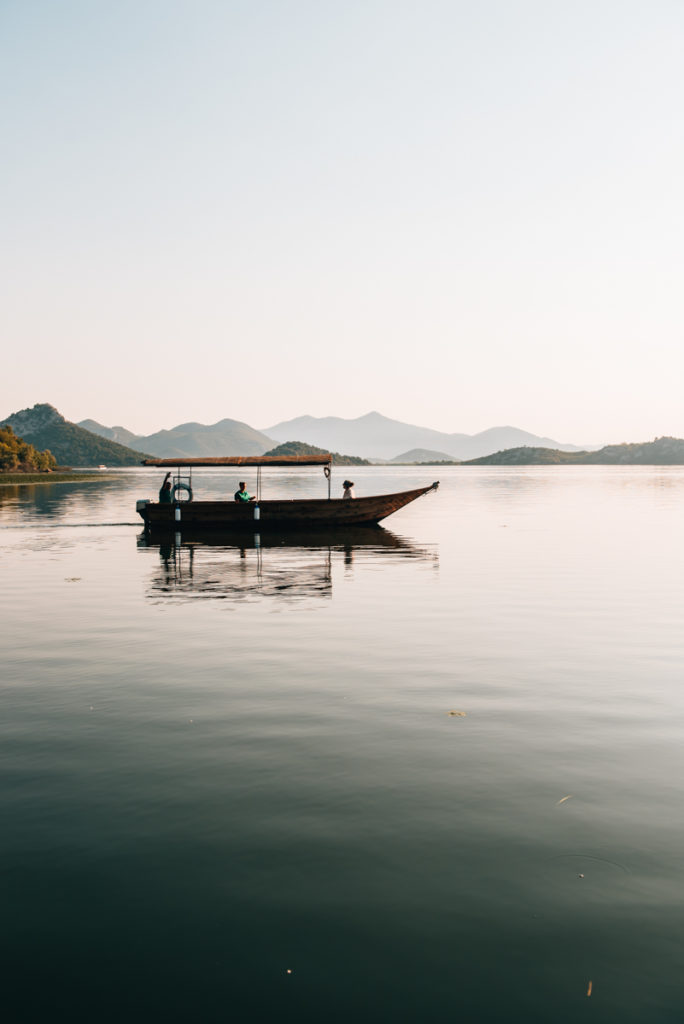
(18, 456)
(44, 427)
(299, 448)
(664, 451)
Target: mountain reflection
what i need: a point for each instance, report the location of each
(285, 566)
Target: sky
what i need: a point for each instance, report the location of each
(458, 214)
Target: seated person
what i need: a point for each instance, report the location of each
(242, 494)
(348, 489)
(165, 492)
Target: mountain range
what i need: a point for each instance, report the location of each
(373, 436)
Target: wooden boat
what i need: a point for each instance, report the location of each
(261, 514)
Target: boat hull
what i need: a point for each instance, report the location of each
(293, 514)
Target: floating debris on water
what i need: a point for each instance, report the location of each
(456, 714)
(563, 799)
(73, 579)
(589, 989)
(581, 876)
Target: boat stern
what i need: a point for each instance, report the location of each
(141, 507)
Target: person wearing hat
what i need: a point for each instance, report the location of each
(242, 494)
(348, 489)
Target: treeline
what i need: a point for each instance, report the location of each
(17, 455)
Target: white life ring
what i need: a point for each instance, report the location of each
(177, 488)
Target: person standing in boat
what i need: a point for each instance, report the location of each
(165, 492)
(243, 494)
(348, 489)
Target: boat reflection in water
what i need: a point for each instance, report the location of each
(253, 566)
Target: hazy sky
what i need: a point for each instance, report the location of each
(459, 214)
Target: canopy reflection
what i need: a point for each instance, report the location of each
(221, 565)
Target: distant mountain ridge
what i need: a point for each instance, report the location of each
(227, 437)
(374, 436)
(44, 427)
(423, 455)
(118, 434)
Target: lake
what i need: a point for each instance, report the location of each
(430, 772)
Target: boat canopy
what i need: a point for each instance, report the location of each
(243, 460)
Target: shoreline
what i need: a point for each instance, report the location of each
(71, 476)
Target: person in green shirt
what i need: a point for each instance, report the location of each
(242, 494)
(165, 492)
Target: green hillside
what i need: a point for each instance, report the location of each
(18, 456)
(664, 451)
(299, 448)
(74, 446)
(526, 457)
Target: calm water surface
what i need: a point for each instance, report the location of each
(232, 788)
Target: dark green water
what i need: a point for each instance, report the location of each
(221, 765)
